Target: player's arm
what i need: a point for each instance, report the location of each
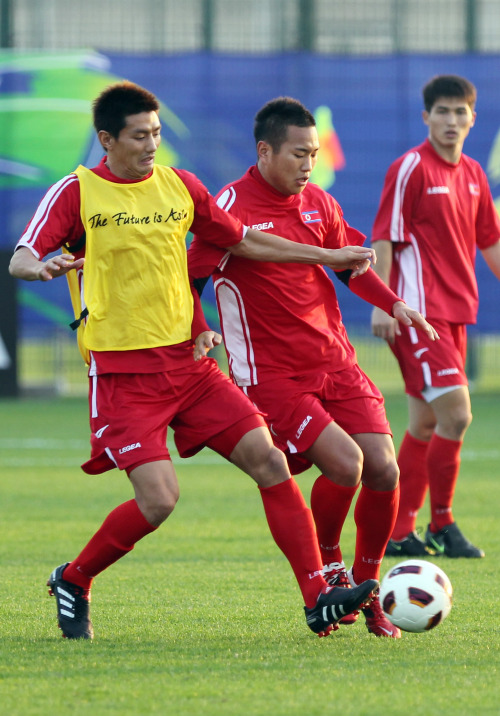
(203, 336)
(25, 265)
(371, 288)
(384, 324)
(261, 246)
(492, 257)
(205, 342)
(55, 223)
(216, 226)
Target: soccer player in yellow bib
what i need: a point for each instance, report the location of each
(122, 228)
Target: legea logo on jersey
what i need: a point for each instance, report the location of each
(263, 226)
(438, 190)
(474, 189)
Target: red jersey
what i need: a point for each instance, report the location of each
(436, 213)
(57, 223)
(278, 319)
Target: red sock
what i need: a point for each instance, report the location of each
(292, 527)
(119, 532)
(329, 505)
(443, 459)
(374, 514)
(413, 483)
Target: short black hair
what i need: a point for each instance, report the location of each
(117, 102)
(448, 86)
(273, 119)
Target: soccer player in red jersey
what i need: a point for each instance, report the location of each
(435, 207)
(289, 352)
(123, 226)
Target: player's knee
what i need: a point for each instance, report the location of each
(454, 425)
(157, 508)
(382, 476)
(271, 468)
(346, 468)
(462, 421)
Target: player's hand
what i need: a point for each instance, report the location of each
(205, 342)
(357, 258)
(384, 326)
(409, 317)
(58, 265)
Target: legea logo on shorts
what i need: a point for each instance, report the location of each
(448, 371)
(128, 448)
(302, 426)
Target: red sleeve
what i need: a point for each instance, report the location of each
(203, 258)
(354, 237)
(394, 211)
(488, 220)
(339, 232)
(214, 225)
(372, 289)
(199, 323)
(57, 219)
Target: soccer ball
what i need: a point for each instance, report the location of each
(416, 595)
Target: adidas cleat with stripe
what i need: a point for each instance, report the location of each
(335, 574)
(336, 602)
(73, 606)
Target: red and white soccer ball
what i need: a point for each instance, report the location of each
(416, 595)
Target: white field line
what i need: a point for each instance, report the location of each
(23, 453)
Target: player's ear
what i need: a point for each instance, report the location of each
(264, 150)
(105, 139)
(425, 116)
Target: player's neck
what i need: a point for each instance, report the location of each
(449, 154)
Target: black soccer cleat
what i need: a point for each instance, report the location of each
(409, 546)
(334, 603)
(335, 574)
(450, 542)
(73, 606)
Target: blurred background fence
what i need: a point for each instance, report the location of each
(242, 26)
(359, 65)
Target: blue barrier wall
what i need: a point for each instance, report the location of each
(210, 101)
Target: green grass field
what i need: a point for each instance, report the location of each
(204, 616)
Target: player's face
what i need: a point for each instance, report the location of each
(289, 169)
(449, 122)
(131, 155)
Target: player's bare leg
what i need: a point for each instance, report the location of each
(156, 493)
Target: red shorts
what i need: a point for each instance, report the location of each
(425, 363)
(298, 409)
(130, 414)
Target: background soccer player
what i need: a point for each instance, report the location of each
(436, 208)
(289, 352)
(125, 222)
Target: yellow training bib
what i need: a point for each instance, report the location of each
(135, 279)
